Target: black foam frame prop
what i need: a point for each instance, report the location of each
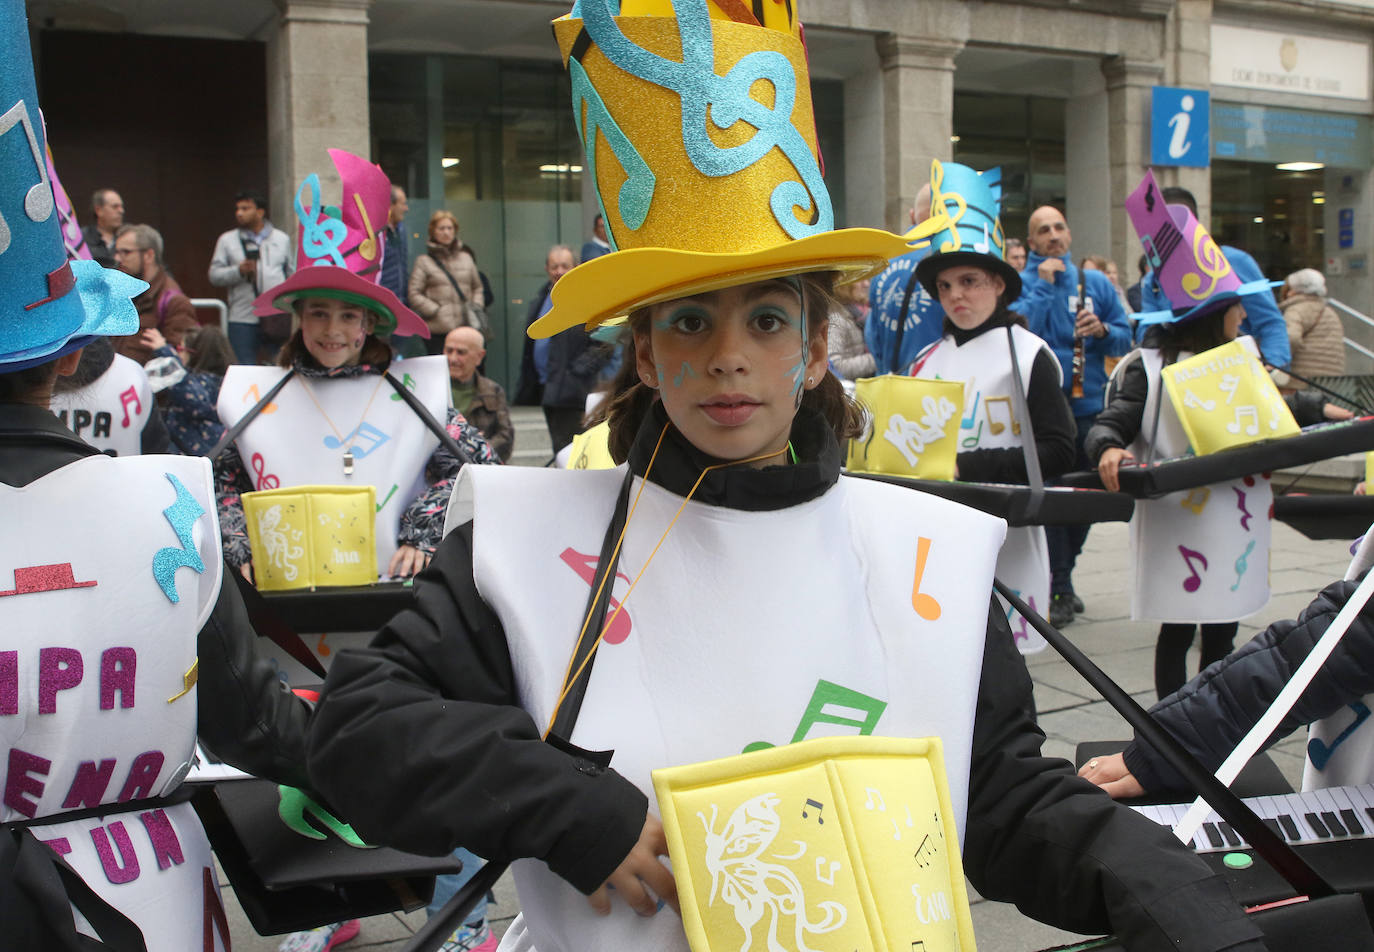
(1314, 443)
(345, 608)
(1058, 506)
(288, 883)
(1326, 517)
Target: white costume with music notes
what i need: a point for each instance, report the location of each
(101, 640)
(295, 445)
(1347, 737)
(991, 421)
(111, 411)
(1200, 555)
(723, 612)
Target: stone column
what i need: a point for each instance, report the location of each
(1128, 146)
(1190, 41)
(918, 116)
(316, 96)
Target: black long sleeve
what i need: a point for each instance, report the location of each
(1054, 433)
(434, 699)
(1120, 421)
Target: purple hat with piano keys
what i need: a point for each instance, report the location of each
(339, 248)
(1189, 266)
(51, 306)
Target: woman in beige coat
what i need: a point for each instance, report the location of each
(1315, 334)
(438, 278)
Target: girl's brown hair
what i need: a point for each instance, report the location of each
(1194, 336)
(630, 399)
(375, 352)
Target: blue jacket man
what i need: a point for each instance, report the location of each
(1049, 302)
(902, 317)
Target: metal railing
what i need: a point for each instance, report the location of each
(215, 304)
(1364, 319)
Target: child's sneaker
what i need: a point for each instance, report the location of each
(322, 939)
(473, 937)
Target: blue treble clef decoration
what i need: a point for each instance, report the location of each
(727, 100)
(321, 235)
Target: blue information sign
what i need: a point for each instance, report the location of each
(1179, 121)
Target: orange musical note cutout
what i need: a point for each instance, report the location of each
(323, 649)
(993, 425)
(368, 247)
(127, 397)
(926, 606)
(252, 396)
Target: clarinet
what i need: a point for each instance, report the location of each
(1079, 343)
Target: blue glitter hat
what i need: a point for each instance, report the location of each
(964, 226)
(49, 306)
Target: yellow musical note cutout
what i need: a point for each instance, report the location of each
(368, 247)
(1196, 500)
(252, 396)
(993, 425)
(926, 606)
(188, 681)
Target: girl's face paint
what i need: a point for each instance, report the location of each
(742, 361)
(334, 331)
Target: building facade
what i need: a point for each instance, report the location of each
(465, 103)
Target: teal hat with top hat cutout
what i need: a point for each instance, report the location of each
(964, 227)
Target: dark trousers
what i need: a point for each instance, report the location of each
(1171, 651)
(564, 423)
(1065, 542)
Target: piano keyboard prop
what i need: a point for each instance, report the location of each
(1301, 819)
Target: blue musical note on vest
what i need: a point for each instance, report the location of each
(182, 514)
(1320, 753)
(363, 431)
(321, 235)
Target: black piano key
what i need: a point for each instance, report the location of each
(1213, 834)
(1333, 823)
(1318, 827)
(1352, 822)
(1290, 829)
(1273, 825)
(1232, 837)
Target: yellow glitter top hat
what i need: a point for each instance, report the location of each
(697, 122)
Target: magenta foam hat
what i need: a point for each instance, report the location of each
(339, 250)
(1189, 266)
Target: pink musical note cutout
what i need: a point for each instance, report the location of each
(127, 397)
(585, 567)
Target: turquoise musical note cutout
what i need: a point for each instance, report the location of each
(638, 191)
(363, 431)
(1320, 753)
(321, 235)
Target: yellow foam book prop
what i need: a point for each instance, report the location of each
(1369, 473)
(1225, 398)
(839, 844)
(312, 536)
(913, 428)
(591, 450)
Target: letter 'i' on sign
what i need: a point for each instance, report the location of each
(1180, 127)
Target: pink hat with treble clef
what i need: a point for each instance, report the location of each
(339, 248)
(50, 306)
(1191, 270)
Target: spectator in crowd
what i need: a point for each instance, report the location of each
(1262, 321)
(1016, 254)
(530, 390)
(1108, 267)
(186, 382)
(849, 356)
(1050, 302)
(479, 398)
(445, 288)
(902, 318)
(396, 261)
(1316, 338)
(1133, 292)
(596, 245)
(109, 215)
(250, 260)
(138, 252)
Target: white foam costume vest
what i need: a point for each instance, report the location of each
(761, 614)
(1200, 555)
(991, 421)
(1340, 748)
(97, 636)
(294, 444)
(111, 411)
